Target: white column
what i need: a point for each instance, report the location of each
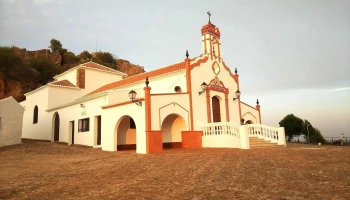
(243, 132)
(281, 136)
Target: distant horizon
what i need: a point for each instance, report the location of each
(293, 56)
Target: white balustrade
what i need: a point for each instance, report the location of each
(221, 128)
(264, 132)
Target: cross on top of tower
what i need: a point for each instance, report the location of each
(209, 15)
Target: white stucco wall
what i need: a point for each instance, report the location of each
(164, 105)
(59, 95)
(112, 117)
(204, 73)
(11, 118)
(41, 129)
(74, 113)
(249, 113)
(71, 76)
(95, 79)
(162, 84)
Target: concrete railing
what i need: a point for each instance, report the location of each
(221, 134)
(269, 133)
(226, 134)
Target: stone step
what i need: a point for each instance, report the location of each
(261, 143)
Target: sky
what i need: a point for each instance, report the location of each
(293, 55)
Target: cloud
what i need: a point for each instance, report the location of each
(339, 89)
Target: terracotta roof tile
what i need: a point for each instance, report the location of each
(97, 66)
(65, 83)
(140, 77)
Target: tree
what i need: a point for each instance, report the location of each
(69, 58)
(55, 45)
(314, 133)
(292, 125)
(106, 59)
(85, 55)
(45, 67)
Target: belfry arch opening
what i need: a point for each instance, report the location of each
(172, 127)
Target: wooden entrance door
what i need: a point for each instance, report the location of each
(72, 124)
(216, 109)
(99, 130)
(56, 137)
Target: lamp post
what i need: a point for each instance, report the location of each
(204, 87)
(238, 94)
(132, 95)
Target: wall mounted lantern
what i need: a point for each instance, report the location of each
(204, 87)
(238, 94)
(132, 95)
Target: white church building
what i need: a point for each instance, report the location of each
(191, 104)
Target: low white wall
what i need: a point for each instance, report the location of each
(11, 117)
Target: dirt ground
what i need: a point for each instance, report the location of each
(45, 170)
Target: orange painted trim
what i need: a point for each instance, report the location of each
(198, 63)
(258, 108)
(192, 59)
(211, 50)
(227, 108)
(169, 94)
(249, 105)
(148, 114)
(140, 77)
(154, 142)
(235, 77)
(121, 104)
(208, 106)
(189, 89)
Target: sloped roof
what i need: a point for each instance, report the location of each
(12, 99)
(94, 66)
(139, 77)
(63, 83)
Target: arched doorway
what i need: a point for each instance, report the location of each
(216, 109)
(125, 131)
(249, 122)
(56, 129)
(172, 127)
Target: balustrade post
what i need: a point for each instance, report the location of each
(244, 137)
(281, 136)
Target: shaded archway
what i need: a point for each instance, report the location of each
(125, 131)
(249, 122)
(172, 127)
(56, 127)
(216, 109)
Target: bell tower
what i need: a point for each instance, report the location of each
(211, 40)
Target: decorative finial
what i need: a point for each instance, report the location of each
(236, 70)
(187, 54)
(209, 16)
(147, 82)
(257, 102)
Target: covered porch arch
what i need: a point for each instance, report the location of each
(125, 133)
(172, 127)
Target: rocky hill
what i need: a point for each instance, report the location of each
(22, 71)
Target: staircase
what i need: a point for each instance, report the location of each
(256, 142)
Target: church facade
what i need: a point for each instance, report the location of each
(191, 104)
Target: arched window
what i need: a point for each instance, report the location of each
(35, 116)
